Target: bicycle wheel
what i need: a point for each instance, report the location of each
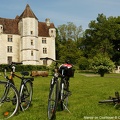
(9, 100)
(64, 96)
(53, 99)
(26, 95)
(109, 101)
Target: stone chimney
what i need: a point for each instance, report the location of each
(47, 20)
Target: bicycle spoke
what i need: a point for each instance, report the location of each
(26, 95)
(52, 101)
(9, 101)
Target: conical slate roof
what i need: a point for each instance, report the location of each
(27, 13)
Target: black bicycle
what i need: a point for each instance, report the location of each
(12, 99)
(115, 100)
(59, 88)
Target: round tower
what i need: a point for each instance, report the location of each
(28, 27)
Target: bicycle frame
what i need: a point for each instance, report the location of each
(10, 80)
(57, 93)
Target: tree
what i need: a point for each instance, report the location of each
(102, 64)
(103, 36)
(69, 51)
(69, 31)
(68, 37)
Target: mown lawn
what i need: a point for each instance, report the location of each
(86, 90)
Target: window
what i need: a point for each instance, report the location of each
(9, 48)
(31, 53)
(9, 38)
(51, 31)
(31, 32)
(44, 40)
(9, 59)
(44, 62)
(31, 42)
(44, 50)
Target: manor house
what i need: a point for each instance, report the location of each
(25, 39)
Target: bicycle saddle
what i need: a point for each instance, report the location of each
(25, 73)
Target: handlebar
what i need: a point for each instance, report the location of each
(47, 58)
(11, 66)
(16, 63)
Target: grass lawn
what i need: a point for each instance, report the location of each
(86, 90)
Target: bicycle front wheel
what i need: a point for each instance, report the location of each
(53, 99)
(26, 95)
(64, 96)
(9, 100)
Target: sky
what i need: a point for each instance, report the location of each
(60, 12)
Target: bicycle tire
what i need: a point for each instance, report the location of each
(64, 96)
(9, 100)
(53, 99)
(26, 95)
(108, 101)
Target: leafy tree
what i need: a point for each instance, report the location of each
(103, 36)
(102, 64)
(68, 37)
(69, 51)
(69, 31)
(83, 63)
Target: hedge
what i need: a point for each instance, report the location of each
(19, 68)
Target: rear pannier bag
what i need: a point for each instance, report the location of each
(67, 70)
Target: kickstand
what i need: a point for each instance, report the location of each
(66, 108)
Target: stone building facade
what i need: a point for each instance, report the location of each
(25, 39)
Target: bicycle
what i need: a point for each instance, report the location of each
(11, 99)
(115, 100)
(59, 88)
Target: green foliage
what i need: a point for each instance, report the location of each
(26, 67)
(103, 36)
(70, 52)
(102, 65)
(83, 63)
(67, 38)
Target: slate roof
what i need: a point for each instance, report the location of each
(10, 26)
(27, 13)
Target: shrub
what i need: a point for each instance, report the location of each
(102, 65)
(83, 63)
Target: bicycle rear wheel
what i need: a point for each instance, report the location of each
(26, 95)
(53, 99)
(9, 100)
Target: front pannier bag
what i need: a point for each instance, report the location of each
(67, 70)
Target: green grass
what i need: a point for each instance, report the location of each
(86, 92)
